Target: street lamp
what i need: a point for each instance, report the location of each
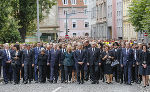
(38, 31)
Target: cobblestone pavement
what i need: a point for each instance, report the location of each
(72, 87)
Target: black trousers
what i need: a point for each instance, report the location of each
(94, 72)
(16, 73)
(7, 73)
(62, 70)
(68, 72)
(48, 72)
(116, 72)
(101, 73)
(87, 72)
(27, 73)
(80, 69)
(42, 73)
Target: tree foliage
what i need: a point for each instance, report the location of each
(17, 17)
(139, 15)
(8, 25)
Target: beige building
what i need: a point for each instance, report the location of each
(128, 29)
(48, 27)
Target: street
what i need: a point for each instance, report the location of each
(72, 87)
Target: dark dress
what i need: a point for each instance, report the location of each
(107, 62)
(144, 59)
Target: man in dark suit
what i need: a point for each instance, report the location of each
(61, 63)
(36, 52)
(54, 62)
(127, 57)
(27, 63)
(94, 61)
(86, 67)
(1, 57)
(79, 57)
(6, 62)
(116, 68)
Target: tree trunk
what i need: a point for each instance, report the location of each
(22, 33)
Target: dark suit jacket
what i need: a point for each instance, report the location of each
(79, 57)
(116, 54)
(62, 57)
(127, 58)
(144, 57)
(1, 56)
(27, 59)
(42, 59)
(5, 57)
(54, 57)
(13, 55)
(93, 57)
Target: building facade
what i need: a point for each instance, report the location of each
(77, 19)
(128, 29)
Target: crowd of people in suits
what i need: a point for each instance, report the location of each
(76, 61)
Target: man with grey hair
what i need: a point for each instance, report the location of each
(127, 57)
(6, 62)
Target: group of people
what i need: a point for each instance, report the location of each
(76, 61)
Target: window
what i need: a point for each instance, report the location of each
(74, 34)
(85, 2)
(86, 24)
(85, 11)
(65, 11)
(74, 24)
(73, 2)
(65, 2)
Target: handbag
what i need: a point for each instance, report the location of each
(113, 64)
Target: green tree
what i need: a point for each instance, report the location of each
(8, 25)
(139, 15)
(26, 12)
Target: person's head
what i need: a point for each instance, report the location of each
(38, 44)
(144, 47)
(79, 46)
(93, 44)
(107, 47)
(6, 46)
(69, 48)
(127, 45)
(115, 45)
(48, 47)
(42, 51)
(140, 45)
(28, 47)
(16, 47)
(87, 42)
(55, 46)
(63, 46)
(123, 45)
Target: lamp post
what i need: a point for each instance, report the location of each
(38, 31)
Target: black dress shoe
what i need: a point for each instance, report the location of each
(51, 81)
(36, 81)
(79, 83)
(147, 85)
(129, 84)
(144, 86)
(55, 81)
(93, 82)
(6, 82)
(97, 82)
(25, 82)
(15, 83)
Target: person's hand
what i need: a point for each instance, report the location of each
(22, 65)
(48, 63)
(137, 63)
(80, 63)
(59, 64)
(37, 67)
(144, 65)
(133, 65)
(32, 65)
(99, 64)
(8, 61)
(121, 65)
(88, 64)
